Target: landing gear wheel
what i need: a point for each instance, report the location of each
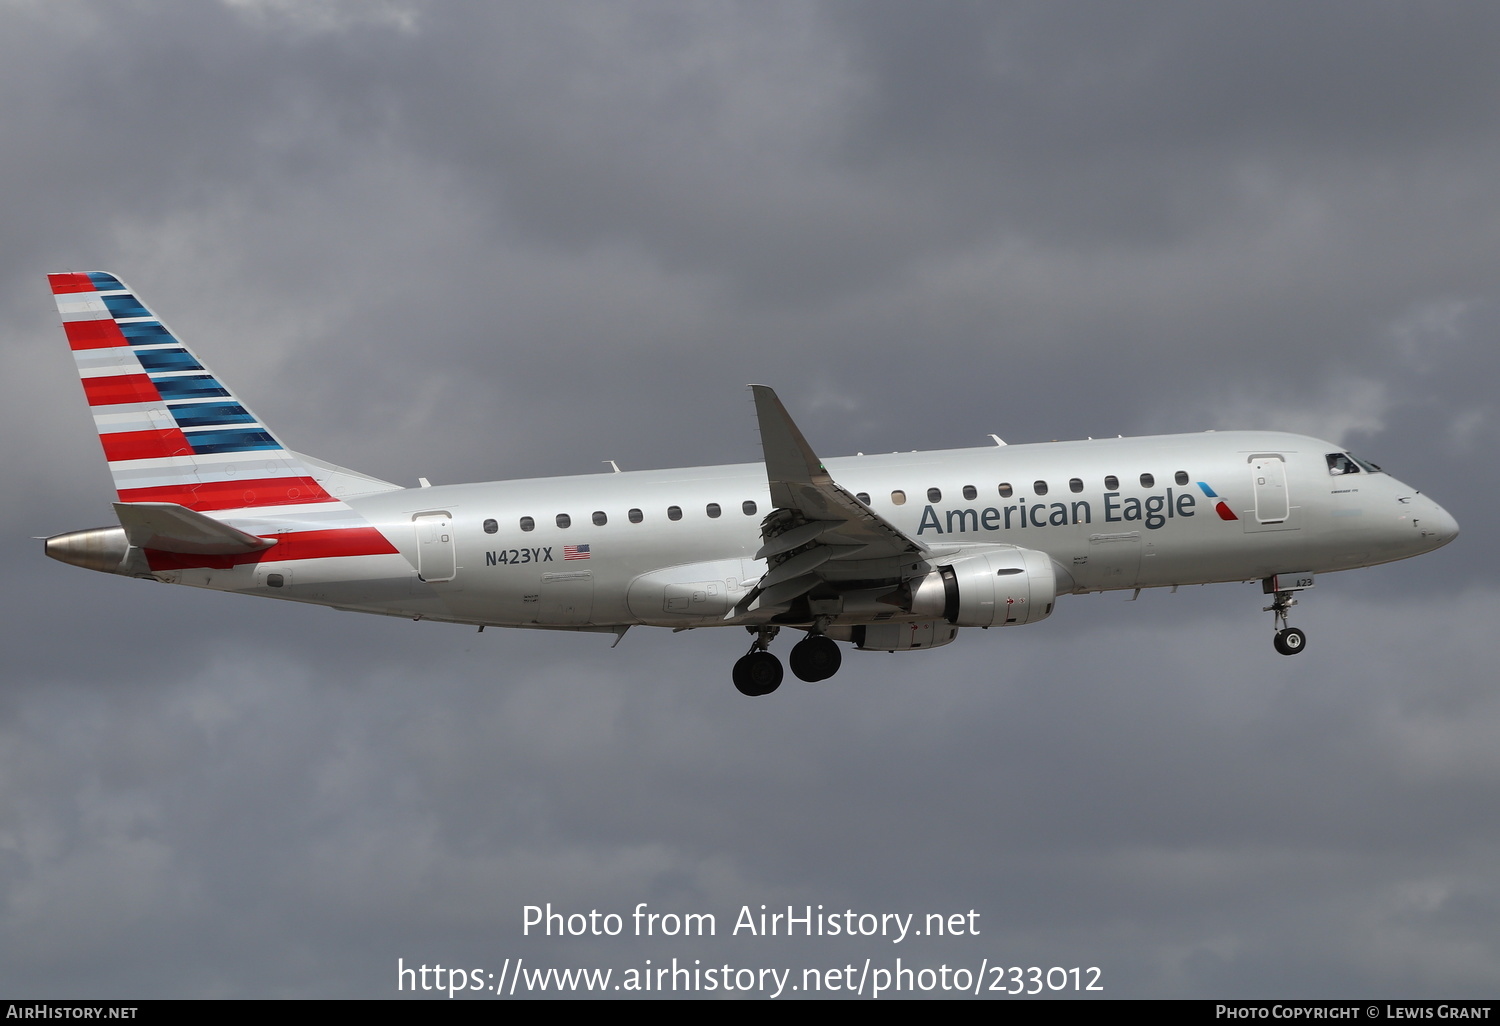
(1291, 640)
(758, 673)
(816, 657)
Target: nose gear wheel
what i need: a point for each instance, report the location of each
(1288, 640)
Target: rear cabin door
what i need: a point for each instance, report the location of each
(435, 559)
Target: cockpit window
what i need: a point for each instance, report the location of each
(1346, 464)
(1341, 463)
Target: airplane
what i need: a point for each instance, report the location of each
(888, 553)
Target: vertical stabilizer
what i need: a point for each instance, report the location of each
(201, 481)
(170, 429)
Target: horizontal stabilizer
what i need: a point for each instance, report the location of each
(168, 527)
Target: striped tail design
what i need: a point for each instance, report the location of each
(171, 431)
(173, 434)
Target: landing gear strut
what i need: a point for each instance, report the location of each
(758, 672)
(1289, 640)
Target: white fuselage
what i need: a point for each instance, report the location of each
(887, 553)
(1101, 526)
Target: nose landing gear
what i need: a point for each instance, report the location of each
(1288, 640)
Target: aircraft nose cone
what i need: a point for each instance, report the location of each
(1439, 526)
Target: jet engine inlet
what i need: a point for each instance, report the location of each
(1008, 586)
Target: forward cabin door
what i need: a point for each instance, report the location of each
(1273, 509)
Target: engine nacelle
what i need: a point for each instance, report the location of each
(999, 587)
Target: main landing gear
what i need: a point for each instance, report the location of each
(758, 672)
(816, 657)
(1288, 640)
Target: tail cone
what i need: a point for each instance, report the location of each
(100, 548)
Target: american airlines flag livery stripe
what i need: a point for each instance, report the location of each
(173, 433)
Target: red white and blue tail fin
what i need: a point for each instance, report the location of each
(202, 482)
(171, 431)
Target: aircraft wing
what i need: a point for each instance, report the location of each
(818, 534)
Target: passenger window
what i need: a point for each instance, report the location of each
(674, 512)
(490, 527)
(863, 497)
(749, 507)
(563, 520)
(934, 495)
(1006, 491)
(600, 519)
(635, 516)
(898, 497)
(1075, 484)
(528, 524)
(1147, 481)
(1181, 477)
(1111, 482)
(1040, 487)
(970, 492)
(713, 511)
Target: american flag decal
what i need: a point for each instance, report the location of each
(575, 552)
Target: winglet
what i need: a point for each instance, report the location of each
(789, 459)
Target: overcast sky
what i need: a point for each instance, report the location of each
(504, 240)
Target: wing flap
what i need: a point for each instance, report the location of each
(804, 562)
(795, 538)
(778, 595)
